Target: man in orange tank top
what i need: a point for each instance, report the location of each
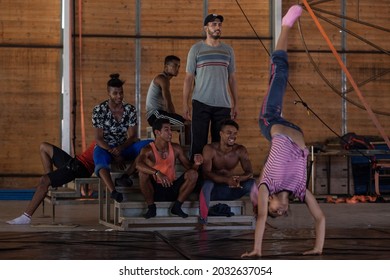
(157, 174)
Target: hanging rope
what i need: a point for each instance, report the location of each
(335, 90)
(349, 76)
(82, 123)
(301, 101)
(351, 19)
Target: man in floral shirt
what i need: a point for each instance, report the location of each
(115, 123)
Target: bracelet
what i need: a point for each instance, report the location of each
(155, 173)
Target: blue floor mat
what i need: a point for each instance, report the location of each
(7, 194)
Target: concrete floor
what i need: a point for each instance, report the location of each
(85, 217)
(354, 231)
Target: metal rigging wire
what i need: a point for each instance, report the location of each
(300, 101)
(338, 92)
(313, 3)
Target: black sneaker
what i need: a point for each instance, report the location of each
(176, 210)
(151, 211)
(117, 196)
(124, 181)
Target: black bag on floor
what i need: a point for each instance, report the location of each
(220, 209)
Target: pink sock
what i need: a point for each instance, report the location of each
(292, 15)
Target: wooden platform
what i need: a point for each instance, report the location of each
(71, 194)
(128, 215)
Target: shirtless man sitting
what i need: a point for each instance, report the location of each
(220, 159)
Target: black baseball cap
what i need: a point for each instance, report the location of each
(212, 17)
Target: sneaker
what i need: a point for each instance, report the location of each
(124, 181)
(151, 211)
(179, 212)
(117, 196)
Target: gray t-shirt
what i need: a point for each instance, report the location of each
(211, 67)
(154, 100)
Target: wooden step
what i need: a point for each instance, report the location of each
(128, 215)
(70, 194)
(63, 192)
(138, 208)
(133, 194)
(73, 189)
(71, 201)
(190, 223)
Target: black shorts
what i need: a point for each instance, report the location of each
(167, 194)
(68, 168)
(174, 119)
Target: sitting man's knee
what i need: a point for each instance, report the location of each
(44, 147)
(100, 167)
(191, 175)
(143, 176)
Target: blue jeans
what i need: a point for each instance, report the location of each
(103, 158)
(219, 191)
(271, 109)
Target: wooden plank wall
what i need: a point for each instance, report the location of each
(30, 86)
(31, 46)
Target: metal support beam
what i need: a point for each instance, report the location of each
(67, 57)
(276, 20)
(344, 116)
(138, 65)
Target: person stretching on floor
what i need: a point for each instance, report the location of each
(284, 172)
(68, 169)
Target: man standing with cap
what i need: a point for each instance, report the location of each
(210, 74)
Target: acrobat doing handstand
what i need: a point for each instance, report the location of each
(284, 173)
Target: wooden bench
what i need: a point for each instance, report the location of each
(70, 194)
(127, 215)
